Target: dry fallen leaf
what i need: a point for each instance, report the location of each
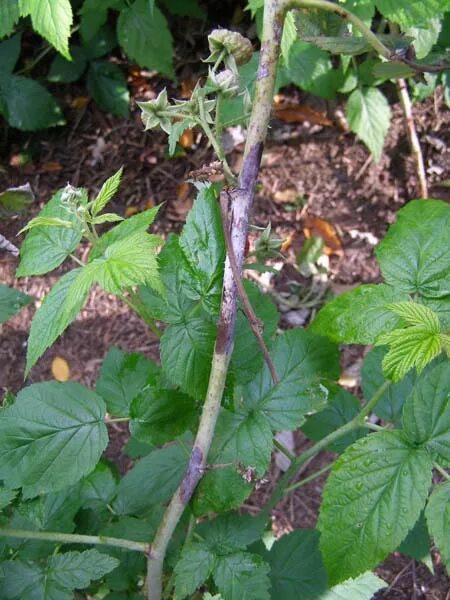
(315, 226)
(186, 139)
(79, 102)
(131, 210)
(299, 113)
(60, 369)
(183, 191)
(51, 167)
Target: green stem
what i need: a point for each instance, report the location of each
(134, 305)
(442, 471)
(118, 420)
(72, 538)
(306, 480)
(355, 423)
(77, 260)
(373, 426)
(282, 448)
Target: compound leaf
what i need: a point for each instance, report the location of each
(426, 414)
(122, 377)
(46, 247)
(414, 256)
(358, 316)
(57, 311)
(51, 437)
(437, 514)
(52, 19)
(11, 301)
(77, 569)
(145, 37)
(369, 116)
(152, 480)
(380, 479)
(193, 568)
(242, 575)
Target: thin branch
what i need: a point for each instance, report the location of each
(253, 321)
(303, 482)
(72, 538)
(416, 150)
(282, 448)
(442, 471)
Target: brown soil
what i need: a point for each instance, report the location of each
(328, 169)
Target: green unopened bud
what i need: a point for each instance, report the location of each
(231, 43)
(153, 112)
(226, 81)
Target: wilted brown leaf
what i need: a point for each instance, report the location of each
(60, 369)
(315, 226)
(299, 113)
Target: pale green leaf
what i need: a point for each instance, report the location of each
(193, 568)
(108, 86)
(425, 36)
(107, 192)
(58, 309)
(296, 567)
(410, 12)
(289, 35)
(363, 587)
(380, 479)
(242, 576)
(11, 301)
(16, 199)
(46, 222)
(426, 414)
(9, 15)
(123, 376)
(369, 116)
(152, 480)
(51, 437)
(17, 94)
(437, 513)
(45, 248)
(146, 37)
(414, 256)
(301, 360)
(106, 218)
(52, 19)
(358, 316)
(416, 314)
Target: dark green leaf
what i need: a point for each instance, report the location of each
(231, 532)
(186, 354)
(11, 301)
(107, 85)
(390, 405)
(158, 416)
(67, 71)
(358, 316)
(369, 116)
(16, 199)
(48, 425)
(99, 487)
(77, 569)
(414, 256)
(219, 491)
(122, 377)
(185, 8)
(27, 105)
(247, 359)
(296, 568)
(438, 520)
(342, 408)
(426, 414)
(101, 43)
(45, 248)
(392, 70)
(146, 37)
(57, 311)
(301, 360)
(94, 14)
(417, 543)
(242, 575)
(194, 567)
(9, 49)
(152, 480)
(6, 497)
(340, 45)
(379, 479)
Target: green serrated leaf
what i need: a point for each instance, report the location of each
(6, 497)
(52, 19)
(362, 588)
(342, 408)
(9, 49)
(426, 414)
(392, 70)
(106, 218)
(390, 405)
(77, 569)
(231, 532)
(410, 12)
(46, 248)
(57, 311)
(242, 575)
(107, 192)
(416, 314)
(289, 35)
(379, 479)
(146, 37)
(47, 426)
(123, 376)
(417, 544)
(219, 491)
(11, 301)
(18, 94)
(68, 71)
(340, 45)
(98, 488)
(193, 568)
(358, 316)
(9, 15)
(437, 514)
(296, 567)
(46, 222)
(152, 480)
(369, 116)
(414, 255)
(108, 86)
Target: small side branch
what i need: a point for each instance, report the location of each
(405, 101)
